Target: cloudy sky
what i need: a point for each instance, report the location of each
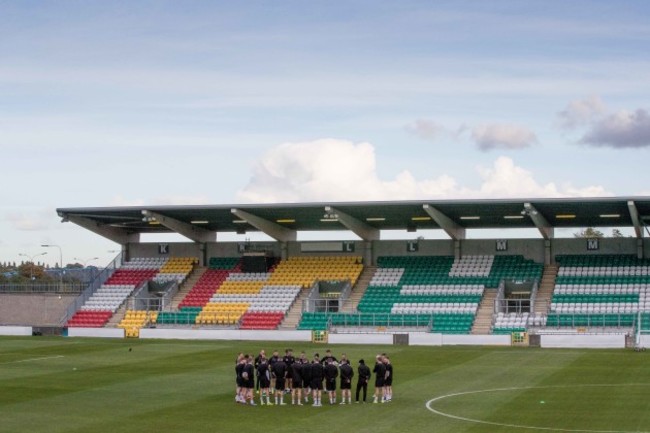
(161, 102)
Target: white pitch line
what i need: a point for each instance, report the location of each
(33, 359)
(478, 421)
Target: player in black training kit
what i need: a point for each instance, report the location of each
(316, 382)
(264, 380)
(272, 360)
(289, 360)
(305, 372)
(280, 370)
(362, 381)
(328, 358)
(296, 382)
(239, 380)
(346, 380)
(248, 376)
(380, 373)
(388, 382)
(331, 373)
(257, 363)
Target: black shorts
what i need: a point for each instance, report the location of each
(250, 383)
(316, 384)
(296, 382)
(330, 384)
(346, 385)
(265, 382)
(379, 382)
(389, 381)
(279, 383)
(306, 383)
(240, 382)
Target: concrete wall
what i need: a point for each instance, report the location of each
(360, 339)
(475, 340)
(532, 249)
(16, 330)
(583, 341)
(606, 246)
(425, 248)
(233, 335)
(96, 332)
(176, 249)
(33, 309)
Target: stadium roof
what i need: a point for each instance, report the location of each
(366, 219)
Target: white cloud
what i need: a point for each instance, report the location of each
(502, 136)
(340, 170)
(581, 112)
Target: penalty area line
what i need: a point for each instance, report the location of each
(33, 359)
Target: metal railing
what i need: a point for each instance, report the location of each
(44, 287)
(379, 320)
(91, 288)
(318, 302)
(591, 320)
(141, 299)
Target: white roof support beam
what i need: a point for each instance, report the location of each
(546, 230)
(636, 221)
(453, 229)
(115, 234)
(193, 233)
(274, 230)
(356, 226)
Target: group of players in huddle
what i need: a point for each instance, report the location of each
(277, 376)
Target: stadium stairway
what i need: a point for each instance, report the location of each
(117, 317)
(293, 316)
(359, 290)
(483, 320)
(545, 291)
(187, 285)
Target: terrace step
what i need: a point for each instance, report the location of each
(483, 320)
(359, 290)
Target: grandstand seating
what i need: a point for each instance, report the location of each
(134, 320)
(226, 296)
(119, 286)
(89, 319)
(509, 323)
(304, 271)
(176, 269)
(599, 290)
(444, 290)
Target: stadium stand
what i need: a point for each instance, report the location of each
(105, 301)
(599, 290)
(438, 290)
(252, 300)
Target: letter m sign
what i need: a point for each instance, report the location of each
(592, 244)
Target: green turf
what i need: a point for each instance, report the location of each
(87, 385)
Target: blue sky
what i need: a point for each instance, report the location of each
(155, 102)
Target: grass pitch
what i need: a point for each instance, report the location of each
(88, 385)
